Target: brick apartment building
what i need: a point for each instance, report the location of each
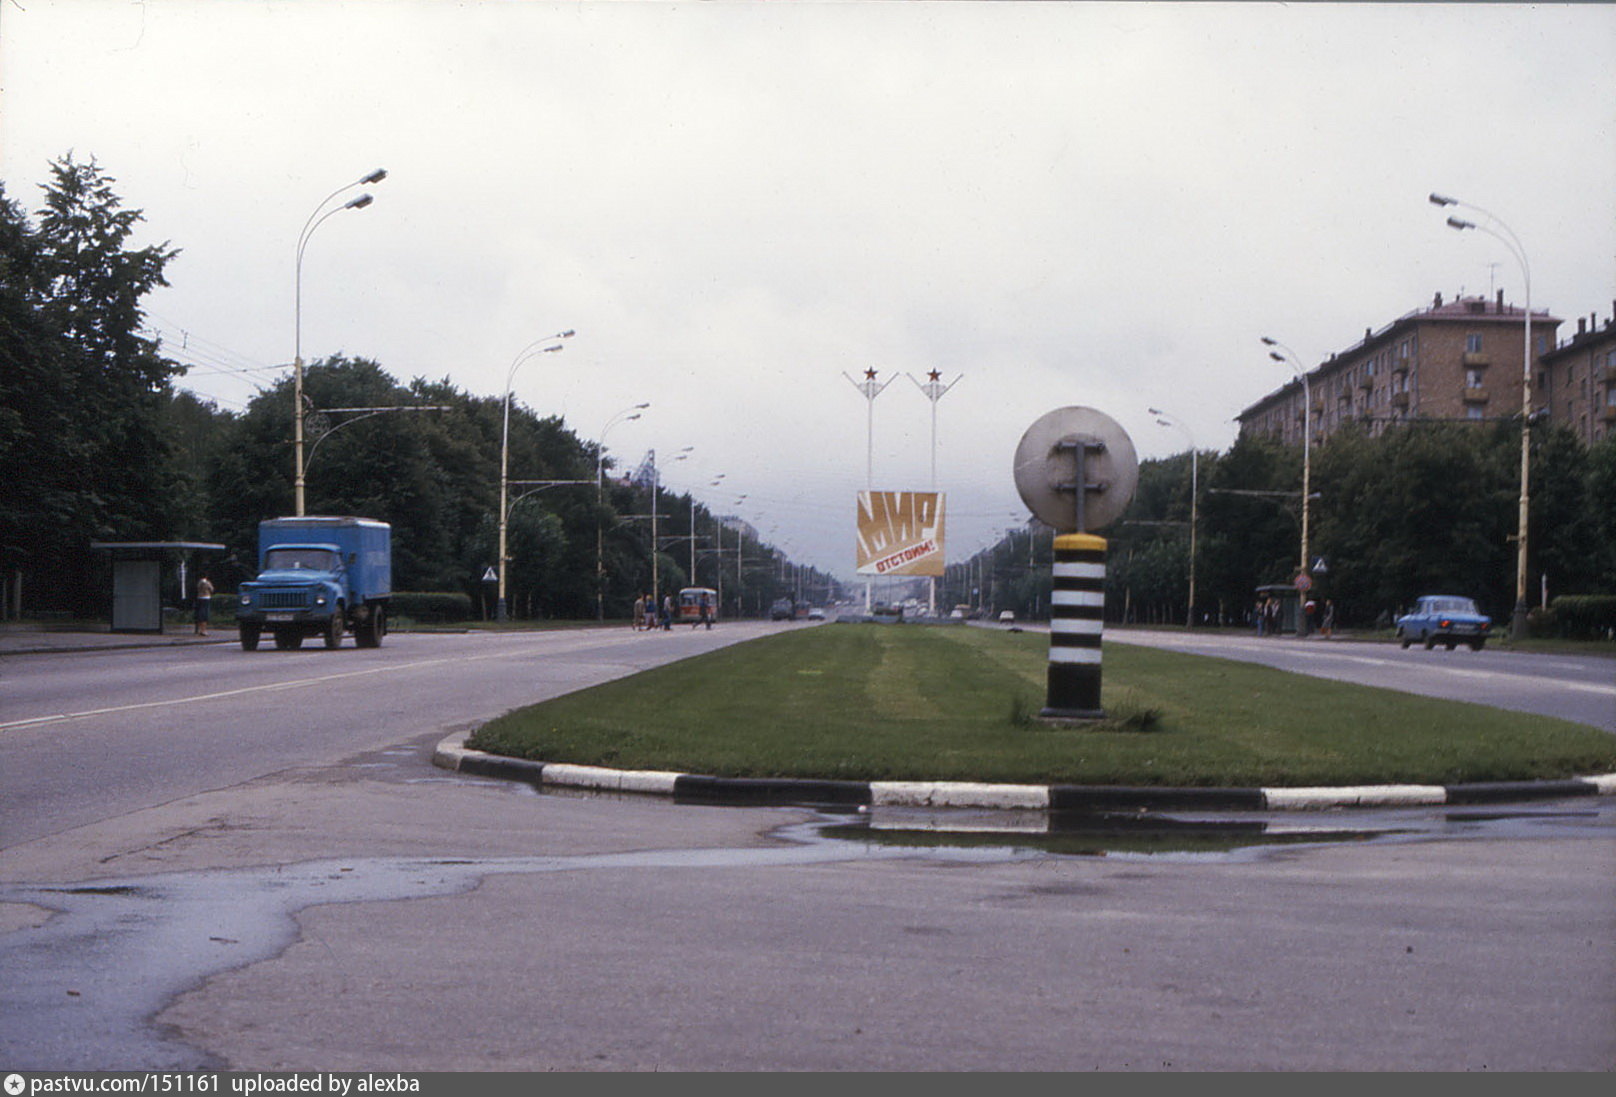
(1577, 380)
(1458, 359)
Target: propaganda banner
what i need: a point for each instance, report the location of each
(900, 533)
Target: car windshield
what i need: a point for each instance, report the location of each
(1452, 605)
(300, 559)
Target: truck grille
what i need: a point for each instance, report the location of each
(282, 599)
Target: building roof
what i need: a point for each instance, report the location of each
(1469, 310)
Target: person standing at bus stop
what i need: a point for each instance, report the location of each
(204, 604)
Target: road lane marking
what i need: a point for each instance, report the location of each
(546, 644)
(296, 683)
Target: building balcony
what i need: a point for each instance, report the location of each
(1400, 400)
(1477, 358)
(1607, 414)
(1475, 395)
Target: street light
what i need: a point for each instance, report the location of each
(529, 351)
(1167, 420)
(315, 220)
(656, 487)
(1289, 358)
(1501, 232)
(714, 484)
(626, 415)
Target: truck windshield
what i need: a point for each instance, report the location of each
(300, 559)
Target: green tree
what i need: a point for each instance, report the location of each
(85, 440)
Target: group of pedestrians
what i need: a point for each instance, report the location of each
(1270, 618)
(648, 616)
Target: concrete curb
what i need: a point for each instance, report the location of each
(453, 754)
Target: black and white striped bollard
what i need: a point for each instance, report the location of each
(1076, 621)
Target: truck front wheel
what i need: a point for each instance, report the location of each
(249, 636)
(333, 630)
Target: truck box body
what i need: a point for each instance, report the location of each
(318, 576)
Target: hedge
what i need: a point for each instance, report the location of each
(434, 607)
(1585, 616)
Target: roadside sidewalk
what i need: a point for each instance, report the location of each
(36, 639)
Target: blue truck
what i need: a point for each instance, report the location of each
(318, 577)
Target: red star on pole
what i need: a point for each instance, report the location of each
(869, 374)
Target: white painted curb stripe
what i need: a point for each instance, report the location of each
(956, 794)
(1076, 625)
(612, 780)
(1605, 783)
(1359, 796)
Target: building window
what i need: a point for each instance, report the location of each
(1473, 412)
(1473, 343)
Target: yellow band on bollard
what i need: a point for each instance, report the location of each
(1079, 542)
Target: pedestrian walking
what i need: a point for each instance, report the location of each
(1329, 617)
(667, 613)
(639, 613)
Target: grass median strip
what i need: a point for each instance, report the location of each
(868, 702)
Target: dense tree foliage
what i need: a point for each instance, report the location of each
(85, 438)
(1423, 508)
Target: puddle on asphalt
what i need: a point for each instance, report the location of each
(1101, 834)
(83, 986)
(1181, 836)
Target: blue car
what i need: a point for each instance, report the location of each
(1446, 619)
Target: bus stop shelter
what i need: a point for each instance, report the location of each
(1290, 604)
(139, 569)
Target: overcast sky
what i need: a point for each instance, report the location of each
(734, 204)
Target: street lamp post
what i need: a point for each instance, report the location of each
(714, 484)
(1167, 420)
(626, 415)
(527, 352)
(315, 220)
(869, 388)
(934, 390)
(1506, 236)
(1289, 358)
(656, 489)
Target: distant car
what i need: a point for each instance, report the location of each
(782, 610)
(1446, 619)
(1007, 617)
(816, 614)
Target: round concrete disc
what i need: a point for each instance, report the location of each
(1042, 467)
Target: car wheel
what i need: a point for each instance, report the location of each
(1404, 639)
(1450, 645)
(1430, 641)
(1476, 645)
